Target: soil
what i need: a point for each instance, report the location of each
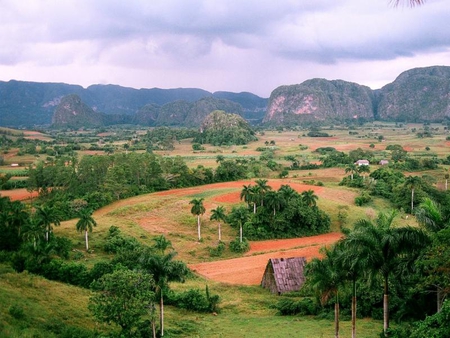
(18, 194)
(249, 270)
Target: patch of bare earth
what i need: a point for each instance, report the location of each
(18, 194)
(248, 270)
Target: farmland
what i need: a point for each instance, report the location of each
(246, 309)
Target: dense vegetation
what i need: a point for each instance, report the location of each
(376, 261)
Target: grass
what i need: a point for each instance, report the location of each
(245, 311)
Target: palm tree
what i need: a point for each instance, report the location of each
(249, 194)
(363, 169)
(353, 264)
(263, 189)
(430, 216)
(218, 214)
(198, 209)
(412, 3)
(274, 200)
(351, 168)
(326, 276)
(310, 198)
(163, 269)
(86, 224)
(162, 243)
(238, 216)
(385, 248)
(47, 216)
(446, 176)
(33, 231)
(287, 193)
(413, 182)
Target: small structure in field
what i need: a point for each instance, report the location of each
(384, 162)
(284, 274)
(362, 162)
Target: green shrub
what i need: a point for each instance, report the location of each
(218, 250)
(238, 246)
(305, 307)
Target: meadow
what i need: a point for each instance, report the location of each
(247, 310)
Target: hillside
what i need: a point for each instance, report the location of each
(417, 95)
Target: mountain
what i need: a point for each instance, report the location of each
(319, 99)
(26, 104)
(416, 95)
(71, 112)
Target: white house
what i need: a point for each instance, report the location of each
(362, 162)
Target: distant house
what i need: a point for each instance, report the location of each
(14, 164)
(284, 274)
(384, 162)
(362, 162)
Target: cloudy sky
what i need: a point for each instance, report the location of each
(231, 45)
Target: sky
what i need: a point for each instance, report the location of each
(219, 45)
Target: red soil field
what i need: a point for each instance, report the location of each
(18, 194)
(249, 270)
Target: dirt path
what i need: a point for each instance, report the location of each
(248, 270)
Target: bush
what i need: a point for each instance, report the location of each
(194, 300)
(364, 198)
(238, 246)
(115, 241)
(218, 250)
(305, 307)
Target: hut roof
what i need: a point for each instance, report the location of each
(284, 274)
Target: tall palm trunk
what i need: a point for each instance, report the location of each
(386, 307)
(198, 227)
(220, 233)
(412, 200)
(240, 233)
(354, 310)
(161, 313)
(336, 317)
(87, 240)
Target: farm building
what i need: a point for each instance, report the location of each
(284, 274)
(384, 162)
(362, 162)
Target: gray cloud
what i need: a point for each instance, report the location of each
(236, 41)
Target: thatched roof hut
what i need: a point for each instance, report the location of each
(284, 274)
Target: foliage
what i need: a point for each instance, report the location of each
(194, 300)
(304, 307)
(122, 297)
(115, 241)
(239, 246)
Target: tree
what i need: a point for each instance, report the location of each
(122, 297)
(238, 216)
(163, 269)
(310, 198)
(326, 276)
(352, 169)
(386, 249)
(263, 189)
(33, 232)
(250, 195)
(86, 224)
(197, 209)
(162, 243)
(363, 169)
(353, 263)
(218, 214)
(47, 216)
(274, 200)
(412, 182)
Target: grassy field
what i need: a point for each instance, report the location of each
(246, 311)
